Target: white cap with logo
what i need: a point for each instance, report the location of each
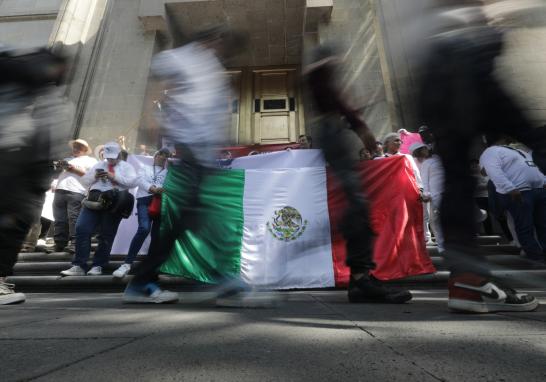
(111, 150)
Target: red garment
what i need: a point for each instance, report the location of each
(396, 216)
(111, 169)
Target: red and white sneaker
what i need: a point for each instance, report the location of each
(475, 294)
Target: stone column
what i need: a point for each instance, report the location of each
(78, 33)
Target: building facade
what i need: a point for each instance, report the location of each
(113, 42)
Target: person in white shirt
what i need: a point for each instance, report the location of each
(150, 181)
(112, 173)
(522, 191)
(69, 193)
(432, 174)
(420, 152)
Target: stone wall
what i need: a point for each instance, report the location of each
(26, 34)
(28, 7)
(522, 68)
(27, 23)
(354, 30)
(114, 104)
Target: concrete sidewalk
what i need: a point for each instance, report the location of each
(313, 336)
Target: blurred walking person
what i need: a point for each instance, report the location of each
(320, 77)
(460, 99)
(31, 124)
(195, 117)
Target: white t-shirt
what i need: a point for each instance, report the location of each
(149, 176)
(511, 169)
(124, 177)
(69, 181)
(195, 106)
(432, 173)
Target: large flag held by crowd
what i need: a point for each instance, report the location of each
(278, 227)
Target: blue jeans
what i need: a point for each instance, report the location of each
(144, 228)
(529, 217)
(85, 227)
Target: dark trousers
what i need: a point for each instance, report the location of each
(144, 227)
(12, 234)
(146, 270)
(355, 227)
(46, 225)
(162, 241)
(529, 216)
(66, 209)
(14, 228)
(88, 220)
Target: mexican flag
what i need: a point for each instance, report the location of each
(279, 228)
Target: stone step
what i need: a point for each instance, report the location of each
(27, 268)
(54, 268)
(103, 283)
(107, 283)
(498, 262)
(515, 278)
(487, 249)
(493, 239)
(35, 257)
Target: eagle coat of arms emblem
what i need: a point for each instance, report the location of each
(287, 224)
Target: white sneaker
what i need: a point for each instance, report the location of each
(8, 295)
(95, 271)
(76, 270)
(122, 271)
(41, 243)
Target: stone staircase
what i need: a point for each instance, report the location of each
(40, 271)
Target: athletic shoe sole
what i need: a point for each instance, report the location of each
(12, 298)
(490, 307)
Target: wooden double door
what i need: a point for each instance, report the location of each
(266, 107)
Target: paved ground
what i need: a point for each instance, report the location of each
(313, 336)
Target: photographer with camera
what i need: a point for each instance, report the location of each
(70, 192)
(107, 203)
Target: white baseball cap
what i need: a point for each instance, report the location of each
(111, 150)
(416, 146)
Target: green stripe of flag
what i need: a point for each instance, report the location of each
(213, 249)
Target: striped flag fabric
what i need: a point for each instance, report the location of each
(278, 228)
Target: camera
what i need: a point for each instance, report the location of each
(60, 164)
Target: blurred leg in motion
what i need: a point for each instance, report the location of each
(460, 99)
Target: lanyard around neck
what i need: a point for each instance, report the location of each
(156, 174)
